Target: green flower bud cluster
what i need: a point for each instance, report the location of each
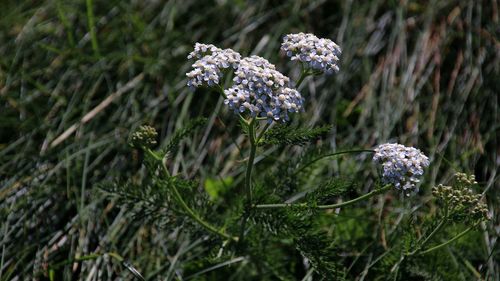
(460, 199)
(465, 180)
(145, 136)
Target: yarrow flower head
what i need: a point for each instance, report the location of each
(207, 70)
(262, 91)
(318, 53)
(402, 166)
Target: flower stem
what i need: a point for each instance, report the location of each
(187, 209)
(259, 137)
(303, 75)
(438, 227)
(251, 158)
(332, 206)
(248, 178)
(449, 241)
(330, 155)
(220, 90)
(360, 198)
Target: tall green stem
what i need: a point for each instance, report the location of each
(248, 177)
(186, 208)
(259, 137)
(251, 159)
(355, 200)
(303, 75)
(332, 206)
(438, 227)
(460, 235)
(330, 155)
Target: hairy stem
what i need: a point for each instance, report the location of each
(248, 177)
(438, 227)
(449, 241)
(332, 206)
(190, 212)
(195, 216)
(251, 158)
(303, 75)
(355, 200)
(330, 155)
(259, 137)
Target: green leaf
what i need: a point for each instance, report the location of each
(286, 135)
(327, 190)
(217, 187)
(322, 254)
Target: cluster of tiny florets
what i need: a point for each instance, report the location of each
(145, 136)
(463, 180)
(262, 91)
(318, 53)
(211, 61)
(402, 166)
(462, 202)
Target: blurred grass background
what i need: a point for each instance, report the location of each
(423, 73)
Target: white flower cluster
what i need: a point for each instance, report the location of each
(207, 70)
(262, 91)
(402, 166)
(258, 87)
(319, 53)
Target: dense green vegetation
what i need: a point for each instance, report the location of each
(77, 78)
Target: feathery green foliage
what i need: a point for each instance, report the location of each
(288, 135)
(419, 73)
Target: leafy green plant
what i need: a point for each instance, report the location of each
(261, 98)
(76, 78)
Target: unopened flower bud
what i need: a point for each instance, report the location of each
(145, 136)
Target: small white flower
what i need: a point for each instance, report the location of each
(262, 91)
(318, 53)
(402, 166)
(207, 69)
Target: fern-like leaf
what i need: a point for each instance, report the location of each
(322, 255)
(328, 190)
(286, 135)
